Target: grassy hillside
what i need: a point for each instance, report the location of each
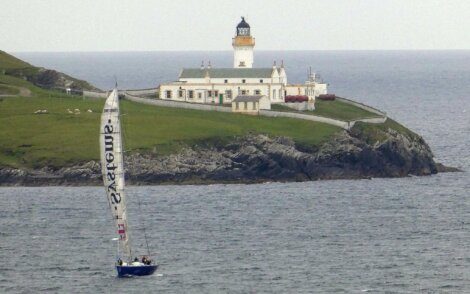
(11, 66)
(340, 110)
(60, 138)
(8, 61)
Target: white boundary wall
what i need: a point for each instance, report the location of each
(376, 120)
(268, 113)
(338, 123)
(175, 104)
(360, 105)
(92, 94)
(152, 91)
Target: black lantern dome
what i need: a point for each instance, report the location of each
(243, 28)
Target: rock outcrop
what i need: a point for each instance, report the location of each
(256, 158)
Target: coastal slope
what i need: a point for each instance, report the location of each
(12, 67)
(259, 157)
(49, 138)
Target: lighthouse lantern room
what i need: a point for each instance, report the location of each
(243, 45)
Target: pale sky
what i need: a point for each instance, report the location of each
(147, 25)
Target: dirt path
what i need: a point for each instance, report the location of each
(24, 91)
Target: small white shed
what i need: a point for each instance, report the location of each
(250, 104)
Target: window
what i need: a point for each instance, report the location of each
(243, 31)
(242, 64)
(257, 92)
(216, 94)
(191, 94)
(237, 106)
(168, 94)
(228, 94)
(261, 81)
(246, 106)
(209, 93)
(199, 95)
(243, 81)
(254, 105)
(280, 94)
(274, 94)
(180, 94)
(243, 92)
(225, 81)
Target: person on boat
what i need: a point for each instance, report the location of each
(119, 261)
(136, 259)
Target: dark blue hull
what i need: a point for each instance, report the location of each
(142, 270)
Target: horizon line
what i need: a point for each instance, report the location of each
(200, 50)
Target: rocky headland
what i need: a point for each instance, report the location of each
(256, 158)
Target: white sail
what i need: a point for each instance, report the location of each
(113, 168)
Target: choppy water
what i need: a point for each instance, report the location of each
(396, 235)
(383, 235)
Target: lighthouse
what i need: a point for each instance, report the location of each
(243, 44)
(210, 84)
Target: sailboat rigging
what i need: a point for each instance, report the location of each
(112, 165)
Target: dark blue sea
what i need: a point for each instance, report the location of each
(407, 235)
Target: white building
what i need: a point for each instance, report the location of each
(250, 104)
(222, 85)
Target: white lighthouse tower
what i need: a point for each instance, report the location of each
(243, 45)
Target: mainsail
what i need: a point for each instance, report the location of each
(113, 169)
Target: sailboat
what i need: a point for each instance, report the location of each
(112, 165)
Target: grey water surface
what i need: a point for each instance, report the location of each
(403, 235)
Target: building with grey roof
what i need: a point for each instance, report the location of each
(221, 85)
(250, 104)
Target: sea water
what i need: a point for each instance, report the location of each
(402, 235)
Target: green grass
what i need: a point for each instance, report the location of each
(59, 138)
(340, 110)
(10, 80)
(56, 138)
(333, 109)
(373, 133)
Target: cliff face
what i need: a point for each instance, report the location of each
(257, 158)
